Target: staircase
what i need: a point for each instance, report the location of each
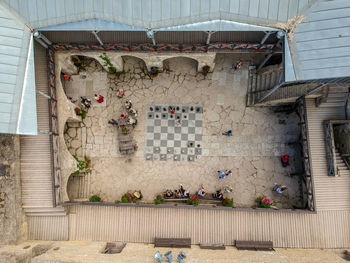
(261, 81)
(336, 97)
(342, 168)
(36, 155)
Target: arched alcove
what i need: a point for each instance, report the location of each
(134, 64)
(181, 64)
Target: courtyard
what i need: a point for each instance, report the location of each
(252, 153)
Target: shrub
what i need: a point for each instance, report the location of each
(227, 202)
(80, 112)
(82, 165)
(265, 202)
(126, 198)
(117, 201)
(111, 68)
(159, 200)
(194, 200)
(95, 198)
(205, 70)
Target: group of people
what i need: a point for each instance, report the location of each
(130, 114)
(86, 102)
(178, 193)
(224, 174)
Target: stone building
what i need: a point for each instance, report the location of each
(295, 56)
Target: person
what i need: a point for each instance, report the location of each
(99, 98)
(285, 160)
(85, 102)
(132, 121)
(178, 122)
(71, 99)
(228, 133)
(218, 195)
(120, 93)
(279, 188)
(154, 71)
(184, 193)
(123, 116)
(133, 111)
(128, 104)
(66, 77)
(138, 195)
(202, 192)
(228, 173)
(112, 121)
(172, 110)
(228, 189)
(222, 174)
(169, 193)
(238, 65)
(177, 194)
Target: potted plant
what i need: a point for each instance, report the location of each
(159, 200)
(126, 198)
(83, 166)
(265, 202)
(194, 200)
(95, 198)
(76, 61)
(205, 70)
(80, 112)
(125, 130)
(227, 202)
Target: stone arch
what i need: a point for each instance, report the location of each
(131, 62)
(75, 66)
(181, 63)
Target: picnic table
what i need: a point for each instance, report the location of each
(126, 144)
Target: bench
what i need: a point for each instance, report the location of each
(254, 245)
(172, 242)
(166, 199)
(219, 246)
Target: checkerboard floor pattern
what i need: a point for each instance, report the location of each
(167, 140)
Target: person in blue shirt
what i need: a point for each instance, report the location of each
(228, 133)
(279, 188)
(222, 174)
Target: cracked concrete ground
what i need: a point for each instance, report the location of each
(253, 153)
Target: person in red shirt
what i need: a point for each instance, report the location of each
(99, 98)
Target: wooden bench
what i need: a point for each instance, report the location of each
(254, 245)
(175, 199)
(219, 246)
(172, 242)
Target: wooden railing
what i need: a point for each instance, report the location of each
(304, 141)
(53, 122)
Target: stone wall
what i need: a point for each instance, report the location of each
(12, 219)
(342, 138)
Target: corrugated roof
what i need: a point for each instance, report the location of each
(157, 13)
(321, 44)
(17, 82)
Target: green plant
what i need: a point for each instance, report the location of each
(125, 130)
(82, 165)
(159, 200)
(111, 68)
(126, 198)
(227, 202)
(194, 200)
(80, 112)
(205, 70)
(265, 202)
(118, 73)
(117, 201)
(95, 198)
